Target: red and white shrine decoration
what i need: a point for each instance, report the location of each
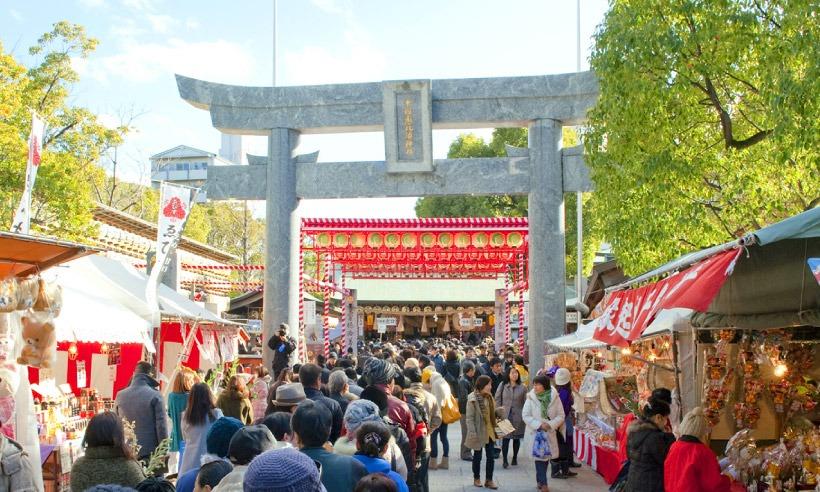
(434, 248)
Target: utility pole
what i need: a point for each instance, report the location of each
(579, 196)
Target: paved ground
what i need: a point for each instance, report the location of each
(459, 478)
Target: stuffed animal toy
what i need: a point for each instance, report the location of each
(39, 343)
(27, 291)
(49, 298)
(8, 295)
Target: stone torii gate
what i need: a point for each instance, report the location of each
(407, 111)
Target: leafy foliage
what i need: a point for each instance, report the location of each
(73, 142)
(471, 145)
(706, 126)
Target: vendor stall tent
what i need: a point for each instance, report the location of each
(20, 256)
(122, 285)
(768, 286)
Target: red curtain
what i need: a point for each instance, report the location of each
(130, 354)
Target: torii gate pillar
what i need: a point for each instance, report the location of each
(546, 238)
(280, 205)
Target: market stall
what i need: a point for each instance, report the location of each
(740, 322)
(28, 308)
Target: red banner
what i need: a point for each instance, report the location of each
(629, 312)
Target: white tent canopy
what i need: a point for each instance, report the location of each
(122, 284)
(85, 317)
(580, 339)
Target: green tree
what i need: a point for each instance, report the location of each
(73, 142)
(706, 126)
(471, 145)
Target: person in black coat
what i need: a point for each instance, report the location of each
(647, 446)
(282, 347)
(466, 385)
(309, 375)
(451, 370)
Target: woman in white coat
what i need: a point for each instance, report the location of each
(441, 390)
(543, 411)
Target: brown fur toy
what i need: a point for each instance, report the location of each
(39, 343)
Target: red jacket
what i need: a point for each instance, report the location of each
(399, 412)
(691, 466)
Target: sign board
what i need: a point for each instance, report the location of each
(572, 317)
(478, 322)
(383, 323)
(465, 322)
(310, 313)
(360, 321)
(255, 326)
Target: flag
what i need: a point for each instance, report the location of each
(629, 312)
(174, 209)
(22, 217)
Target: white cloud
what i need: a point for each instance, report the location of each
(192, 23)
(108, 120)
(141, 5)
(218, 60)
(331, 6)
(16, 15)
(161, 23)
(125, 29)
(92, 3)
(356, 61)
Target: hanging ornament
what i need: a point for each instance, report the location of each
(72, 351)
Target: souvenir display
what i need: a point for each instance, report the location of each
(747, 410)
(717, 380)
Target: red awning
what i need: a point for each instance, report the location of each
(629, 312)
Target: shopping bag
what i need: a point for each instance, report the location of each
(541, 446)
(504, 428)
(449, 412)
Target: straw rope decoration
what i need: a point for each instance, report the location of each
(302, 341)
(507, 334)
(522, 286)
(326, 307)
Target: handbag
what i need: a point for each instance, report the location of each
(449, 411)
(541, 446)
(504, 428)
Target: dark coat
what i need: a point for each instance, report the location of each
(647, 447)
(282, 348)
(333, 407)
(339, 473)
(452, 372)
(465, 387)
(142, 404)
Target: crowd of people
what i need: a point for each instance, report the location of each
(375, 422)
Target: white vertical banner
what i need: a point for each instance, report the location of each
(22, 217)
(174, 209)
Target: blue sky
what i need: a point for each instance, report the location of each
(144, 42)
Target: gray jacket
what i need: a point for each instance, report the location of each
(142, 404)
(15, 469)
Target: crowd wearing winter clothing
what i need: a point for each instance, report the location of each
(375, 421)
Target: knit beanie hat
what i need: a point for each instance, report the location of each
(378, 371)
(282, 470)
(359, 412)
(694, 424)
(411, 362)
(249, 442)
(219, 435)
(375, 395)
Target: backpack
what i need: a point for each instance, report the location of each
(401, 441)
(415, 402)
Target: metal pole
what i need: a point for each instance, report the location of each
(274, 42)
(579, 203)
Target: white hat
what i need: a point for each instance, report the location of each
(562, 376)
